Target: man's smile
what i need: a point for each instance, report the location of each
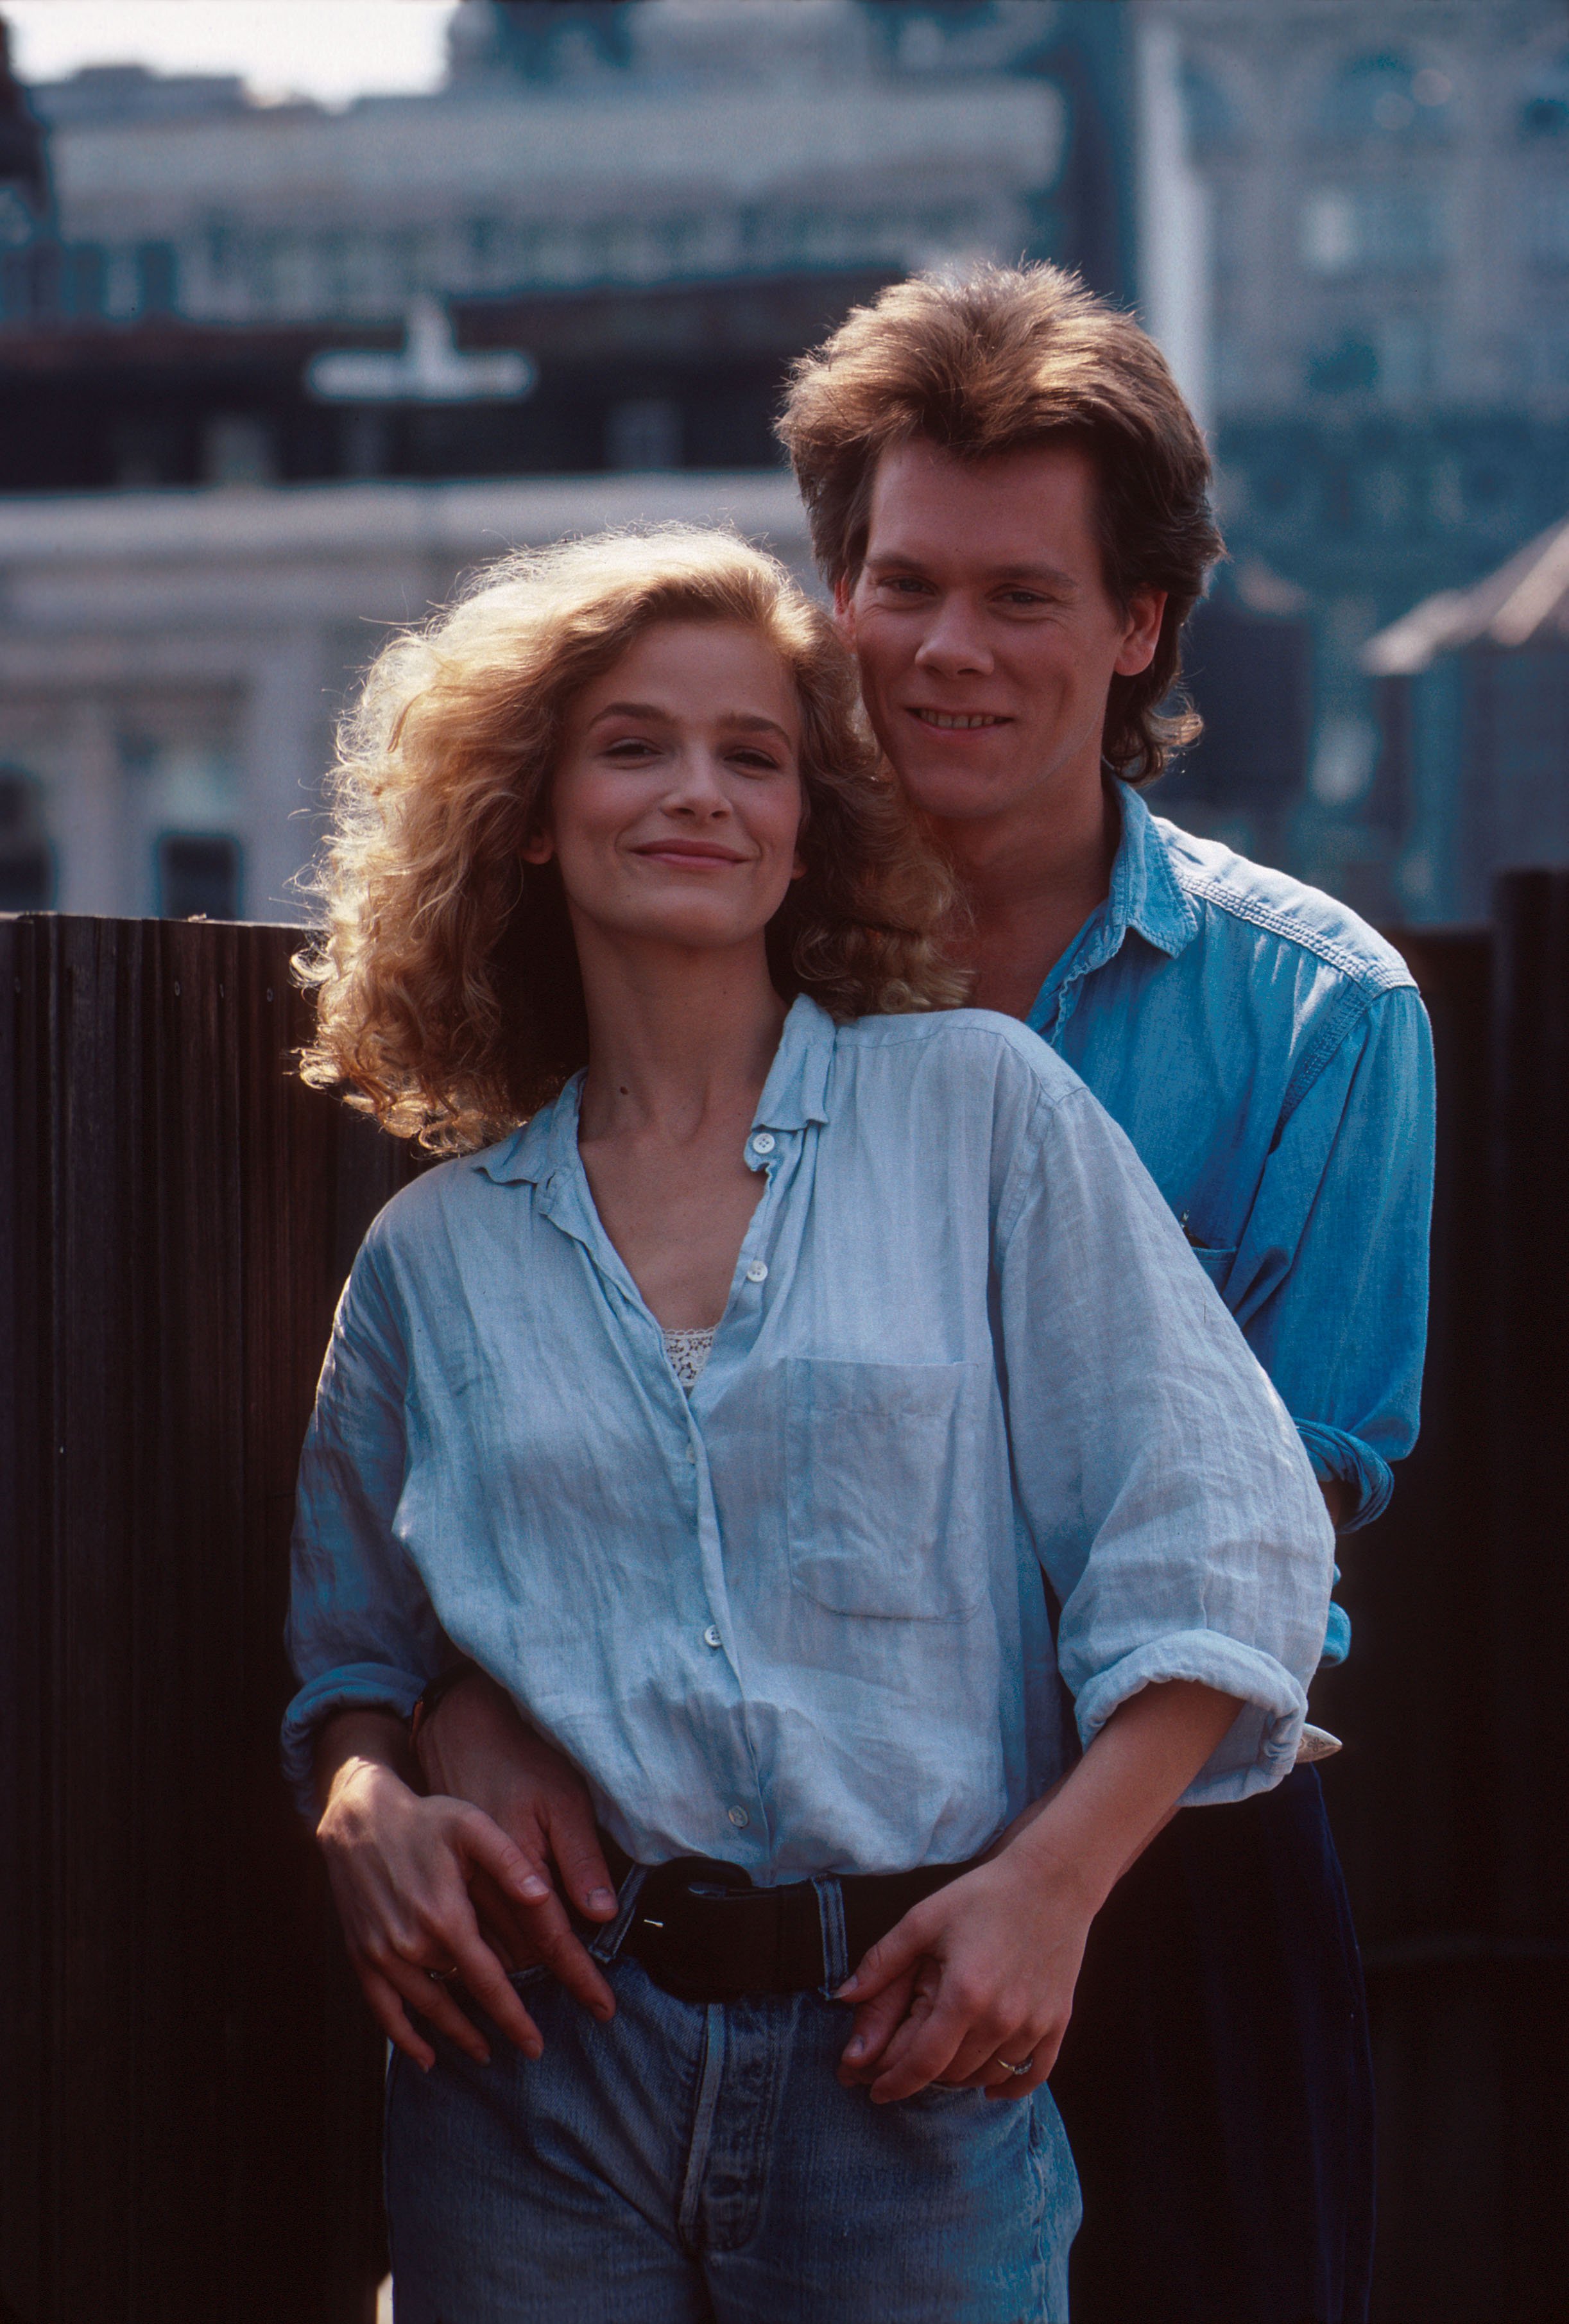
(952, 720)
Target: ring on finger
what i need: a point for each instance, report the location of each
(440, 1976)
(1025, 2065)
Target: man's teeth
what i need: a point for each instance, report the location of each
(942, 718)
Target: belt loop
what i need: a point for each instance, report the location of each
(607, 1944)
(835, 1948)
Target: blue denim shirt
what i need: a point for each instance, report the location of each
(1268, 1057)
(798, 1620)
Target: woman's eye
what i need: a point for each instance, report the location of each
(631, 746)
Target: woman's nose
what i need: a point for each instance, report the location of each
(699, 788)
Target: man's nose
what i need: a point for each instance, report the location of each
(955, 645)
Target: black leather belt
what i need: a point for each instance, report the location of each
(703, 1933)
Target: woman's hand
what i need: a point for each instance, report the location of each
(979, 1979)
(401, 1867)
(474, 1746)
(973, 1981)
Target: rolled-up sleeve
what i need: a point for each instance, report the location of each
(1329, 1280)
(361, 1633)
(1172, 1506)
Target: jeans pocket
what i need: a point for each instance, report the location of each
(882, 1497)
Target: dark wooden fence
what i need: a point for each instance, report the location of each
(187, 2131)
(188, 2127)
(1451, 1802)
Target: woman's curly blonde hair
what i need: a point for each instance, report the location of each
(448, 1002)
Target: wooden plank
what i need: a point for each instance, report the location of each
(193, 2123)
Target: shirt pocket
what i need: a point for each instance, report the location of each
(1215, 1263)
(880, 1521)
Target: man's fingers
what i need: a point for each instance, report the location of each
(504, 1925)
(579, 1859)
(557, 1945)
(484, 1845)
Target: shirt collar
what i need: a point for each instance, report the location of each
(1145, 895)
(794, 1095)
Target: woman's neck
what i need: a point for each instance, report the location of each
(676, 1035)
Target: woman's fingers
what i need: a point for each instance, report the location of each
(876, 2022)
(889, 1957)
(488, 1982)
(921, 2051)
(386, 2007)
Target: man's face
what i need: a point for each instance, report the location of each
(986, 637)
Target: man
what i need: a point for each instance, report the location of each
(1008, 497)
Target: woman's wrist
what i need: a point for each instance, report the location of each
(349, 1738)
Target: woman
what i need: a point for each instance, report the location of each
(728, 1413)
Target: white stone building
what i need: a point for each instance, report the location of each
(171, 663)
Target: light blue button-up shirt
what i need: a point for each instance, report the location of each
(797, 1620)
(1268, 1057)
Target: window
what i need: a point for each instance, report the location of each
(1210, 118)
(26, 857)
(198, 876)
(156, 277)
(1384, 95)
(644, 434)
(1548, 223)
(1544, 103)
(238, 449)
(1392, 230)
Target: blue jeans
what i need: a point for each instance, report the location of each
(691, 2164)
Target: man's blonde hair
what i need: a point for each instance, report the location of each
(1003, 359)
(449, 998)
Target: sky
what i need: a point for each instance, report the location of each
(329, 49)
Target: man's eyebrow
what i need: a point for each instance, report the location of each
(746, 722)
(1049, 575)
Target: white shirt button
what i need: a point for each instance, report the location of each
(757, 1272)
(739, 1818)
(763, 1142)
(711, 1637)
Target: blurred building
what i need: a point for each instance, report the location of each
(246, 352)
(1385, 206)
(1473, 690)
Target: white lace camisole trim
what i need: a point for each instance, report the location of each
(688, 1352)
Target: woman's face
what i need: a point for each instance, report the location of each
(676, 802)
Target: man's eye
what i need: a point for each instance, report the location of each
(904, 585)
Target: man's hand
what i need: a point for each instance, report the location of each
(475, 1748)
(980, 1977)
(400, 1868)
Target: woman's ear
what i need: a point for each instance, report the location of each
(539, 847)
